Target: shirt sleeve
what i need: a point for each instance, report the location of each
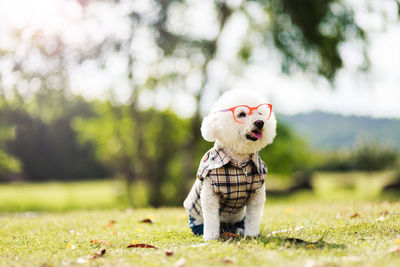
(203, 170)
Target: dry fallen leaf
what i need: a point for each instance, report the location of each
(169, 253)
(101, 242)
(110, 224)
(395, 249)
(229, 234)
(385, 212)
(99, 254)
(310, 246)
(141, 246)
(228, 261)
(148, 220)
(180, 263)
(355, 215)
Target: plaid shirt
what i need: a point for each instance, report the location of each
(232, 183)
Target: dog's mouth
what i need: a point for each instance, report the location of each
(254, 135)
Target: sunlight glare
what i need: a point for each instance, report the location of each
(47, 16)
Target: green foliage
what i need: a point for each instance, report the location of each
(45, 143)
(10, 167)
(111, 130)
(146, 145)
(288, 152)
(367, 156)
(370, 156)
(308, 33)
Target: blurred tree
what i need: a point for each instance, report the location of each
(295, 28)
(309, 34)
(48, 149)
(113, 133)
(288, 153)
(162, 52)
(372, 156)
(368, 155)
(10, 167)
(158, 159)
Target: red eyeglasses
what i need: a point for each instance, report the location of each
(242, 112)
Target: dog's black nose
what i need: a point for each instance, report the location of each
(259, 124)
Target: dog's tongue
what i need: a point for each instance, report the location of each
(257, 134)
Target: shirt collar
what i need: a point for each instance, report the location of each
(219, 158)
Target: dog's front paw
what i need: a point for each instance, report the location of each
(210, 236)
(253, 233)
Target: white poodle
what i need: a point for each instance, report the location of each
(229, 193)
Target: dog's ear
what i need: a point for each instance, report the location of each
(208, 127)
(270, 131)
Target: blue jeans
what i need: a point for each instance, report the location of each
(224, 227)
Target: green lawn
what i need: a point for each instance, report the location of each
(329, 237)
(109, 194)
(64, 196)
(341, 223)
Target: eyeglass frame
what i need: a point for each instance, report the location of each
(232, 109)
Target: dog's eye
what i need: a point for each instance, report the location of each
(242, 115)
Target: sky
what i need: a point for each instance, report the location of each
(375, 93)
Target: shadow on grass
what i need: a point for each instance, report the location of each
(287, 242)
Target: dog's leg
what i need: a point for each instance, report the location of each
(210, 206)
(254, 210)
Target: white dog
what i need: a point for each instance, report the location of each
(229, 193)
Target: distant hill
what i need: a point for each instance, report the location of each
(333, 131)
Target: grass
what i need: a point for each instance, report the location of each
(356, 184)
(64, 196)
(347, 225)
(329, 237)
(108, 194)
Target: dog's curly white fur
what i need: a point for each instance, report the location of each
(232, 137)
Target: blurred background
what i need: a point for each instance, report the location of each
(101, 102)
